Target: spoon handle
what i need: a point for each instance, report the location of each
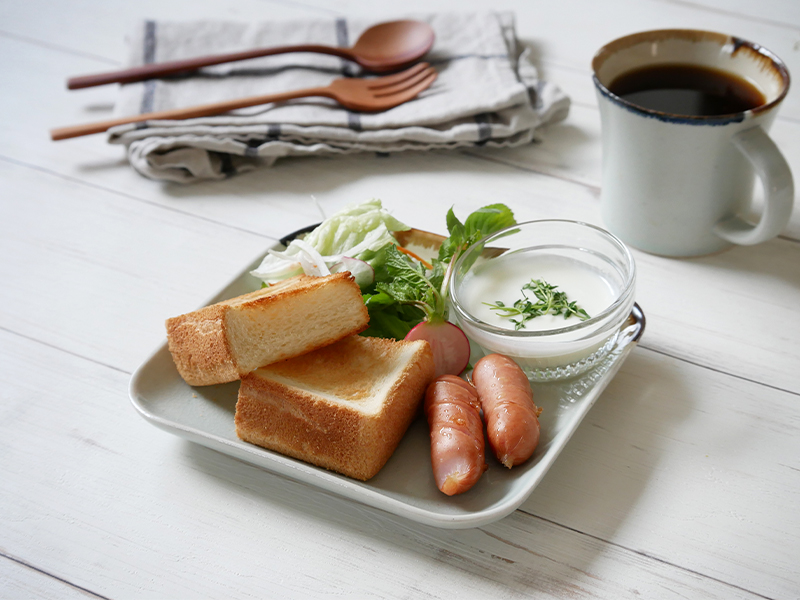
(179, 66)
(192, 112)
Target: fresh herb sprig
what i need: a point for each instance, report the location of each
(548, 301)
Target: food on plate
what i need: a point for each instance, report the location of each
(344, 407)
(314, 390)
(512, 418)
(224, 341)
(356, 233)
(408, 292)
(401, 287)
(410, 299)
(457, 444)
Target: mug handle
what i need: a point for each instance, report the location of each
(772, 168)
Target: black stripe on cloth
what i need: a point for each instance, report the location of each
(149, 58)
(536, 94)
(354, 121)
(443, 60)
(273, 133)
(226, 164)
(274, 130)
(484, 128)
(341, 33)
(343, 41)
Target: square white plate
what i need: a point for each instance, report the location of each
(405, 485)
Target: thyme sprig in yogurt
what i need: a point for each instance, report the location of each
(548, 301)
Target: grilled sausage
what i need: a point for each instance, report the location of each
(512, 419)
(457, 444)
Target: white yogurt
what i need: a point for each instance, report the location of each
(501, 279)
(539, 353)
(592, 267)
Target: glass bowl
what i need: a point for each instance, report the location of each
(593, 267)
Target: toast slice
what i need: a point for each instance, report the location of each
(224, 341)
(344, 407)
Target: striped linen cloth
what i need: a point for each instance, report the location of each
(488, 93)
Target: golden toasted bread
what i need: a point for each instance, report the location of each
(344, 407)
(224, 341)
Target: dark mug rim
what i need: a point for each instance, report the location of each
(739, 45)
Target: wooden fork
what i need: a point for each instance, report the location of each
(367, 95)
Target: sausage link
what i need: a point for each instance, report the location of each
(512, 418)
(457, 446)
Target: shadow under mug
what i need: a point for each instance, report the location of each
(683, 185)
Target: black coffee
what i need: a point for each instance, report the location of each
(687, 90)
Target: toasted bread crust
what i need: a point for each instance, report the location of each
(199, 346)
(284, 408)
(208, 349)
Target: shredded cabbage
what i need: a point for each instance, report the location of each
(357, 231)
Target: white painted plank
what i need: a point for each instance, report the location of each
(22, 582)
(107, 502)
(779, 13)
(691, 459)
(98, 29)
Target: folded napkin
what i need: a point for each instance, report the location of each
(488, 93)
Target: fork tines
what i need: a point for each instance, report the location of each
(420, 75)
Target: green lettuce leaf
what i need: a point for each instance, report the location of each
(359, 231)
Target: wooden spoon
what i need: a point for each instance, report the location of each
(368, 95)
(381, 48)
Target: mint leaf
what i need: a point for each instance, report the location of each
(409, 284)
(489, 219)
(456, 239)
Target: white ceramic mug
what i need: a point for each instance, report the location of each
(682, 185)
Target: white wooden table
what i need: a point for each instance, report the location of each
(683, 480)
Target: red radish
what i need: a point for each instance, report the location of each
(449, 344)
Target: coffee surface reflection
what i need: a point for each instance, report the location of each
(688, 90)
